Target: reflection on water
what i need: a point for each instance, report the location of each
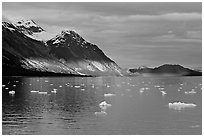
(101, 105)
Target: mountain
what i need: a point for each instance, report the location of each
(65, 54)
(167, 70)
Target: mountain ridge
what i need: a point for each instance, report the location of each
(66, 53)
(167, 69)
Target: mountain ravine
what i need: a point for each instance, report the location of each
(24, 52)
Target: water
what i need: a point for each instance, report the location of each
(133, 105)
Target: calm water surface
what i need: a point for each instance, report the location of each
(70, 105)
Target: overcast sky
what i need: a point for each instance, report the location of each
(132, 34)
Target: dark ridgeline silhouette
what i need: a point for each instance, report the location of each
(65, 54)
(167, 69)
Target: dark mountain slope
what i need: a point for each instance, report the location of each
(67, 53)
(167, 69)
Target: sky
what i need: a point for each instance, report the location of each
(132, 34)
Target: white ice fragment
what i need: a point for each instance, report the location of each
(46, 81)
(92, 85)
(190, 92)
(109, 95)
(3, 85)
(161, 88)
(34, 91)
(77, 86)
(12, 92)
(141, 90)
(82, 89)
(163, 93)
(104, 105)
(157, 86)
(60, 86)
(102, 113)
(44, 93)
(54, 91)
(181, 105)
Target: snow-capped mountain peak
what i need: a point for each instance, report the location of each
(67, 35)
(29, 24)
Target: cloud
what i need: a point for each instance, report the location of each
(137, 30)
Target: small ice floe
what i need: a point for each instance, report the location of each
(104, 105)
(12, 92)
(181, 105)
(82, 89)
(141, 90)
(46, 81)
(163, 93)
(30, 84)
(195, 126)
(51, 84)
(157, 86)
(34, 91)
(108, 86)
(60, 86)
(102, 113)
(16, 81)
(161, 88)
(3, 85)
(190, 92)
(109, 95)
(77, 86)
(44, 93)
(54, 91)
(6, 88)
(14, 85)
(92, 85)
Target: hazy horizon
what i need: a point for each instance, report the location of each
(131, 34)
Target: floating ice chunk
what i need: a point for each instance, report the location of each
(14, 85)
(163, 93)
(82, 89)
(108, 86)
(190, 92)
(161, 88)
(77, 86)
(6, 88)
(157, 86)
(51, 84)
(44, 93)
(141, 90)
(46, 81)
(34, 91)
(181, 105)
(102, 113)
(3, 85)
(92, 85)
(195, 126)
(60, 86)
(109, 95)
(12, 92)
(54, 91)
(104, 105)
